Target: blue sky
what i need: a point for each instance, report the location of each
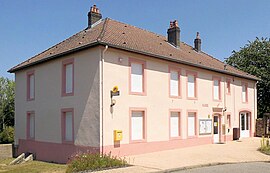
(28, 27)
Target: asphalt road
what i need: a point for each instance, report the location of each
(252, 167)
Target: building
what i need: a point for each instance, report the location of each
(171, 94)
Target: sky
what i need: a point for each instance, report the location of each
(28, 27)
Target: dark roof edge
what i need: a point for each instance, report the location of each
(179, 61)
(54, 56)
(130, 50)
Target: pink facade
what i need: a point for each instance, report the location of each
(155, 102)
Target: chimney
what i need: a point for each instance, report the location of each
(174, 33)
(198, 43)
(93, 16)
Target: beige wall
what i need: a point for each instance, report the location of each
(157, 100)
(49, 102)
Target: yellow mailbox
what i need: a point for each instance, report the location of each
(118, 135)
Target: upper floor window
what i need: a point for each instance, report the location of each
(217, 89)
(30, 85)
(244, 93)
(137, 77)
(174, 82)
(228, 86)
(68, 77)
(191, 86)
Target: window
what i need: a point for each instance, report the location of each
(217, 94)
(30, 125)
(191, 86)
(137, 125)
(228, 86)
(30, 85)
(229, 120)
(68, 78)
(191, 124)
(175, 83)
(244, 93)
(67, 125)
(137, 77)
(175, 124)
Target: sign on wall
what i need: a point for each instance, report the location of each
(205, 126)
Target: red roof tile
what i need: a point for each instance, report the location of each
(123, 36)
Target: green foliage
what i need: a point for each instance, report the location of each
(265, 147)
(93, 162)
(7, 96)
(254, 58)
(7, 135)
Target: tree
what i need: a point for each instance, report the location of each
(7, 95)
(254, 58)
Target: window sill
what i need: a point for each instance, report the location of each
(68, 142)
(192, 98)
(137, 141)
(137, 93)
(67, 94)
(175, 138)
(175, 97)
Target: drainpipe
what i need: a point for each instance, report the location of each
(225, 109)
(255, 107)
(101, 94)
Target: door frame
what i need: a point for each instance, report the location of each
(219, 127)
(249, 122)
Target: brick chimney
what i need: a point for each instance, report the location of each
(93, 16)
(197, 42)
(174, 33)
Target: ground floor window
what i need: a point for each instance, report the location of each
(191, 124)
(174, 124)
(67, 125)
(31, 125)
(137, 125)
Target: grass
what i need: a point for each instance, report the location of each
(94, 162)
(33, 167)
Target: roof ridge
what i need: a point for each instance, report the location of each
(101, 35)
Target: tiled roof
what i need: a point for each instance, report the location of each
(127, 37)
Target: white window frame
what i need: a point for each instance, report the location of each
(175, 124)
(191, 133)
(175, 82)
(192, 86)
(134, 117)
(139, 88)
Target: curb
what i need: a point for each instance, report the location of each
(203, 165)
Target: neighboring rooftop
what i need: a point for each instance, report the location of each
(130, 38)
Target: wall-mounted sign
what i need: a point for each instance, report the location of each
(205, 126)
(115, 91)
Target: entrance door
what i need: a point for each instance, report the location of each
(244, 124)
(216, 129)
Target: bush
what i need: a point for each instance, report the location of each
(265, 147)
(94, 162)
(7, 135)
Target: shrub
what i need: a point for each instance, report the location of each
(94, 162)
(7, 135)
(265, 147)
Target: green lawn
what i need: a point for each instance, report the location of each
(29, 167)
